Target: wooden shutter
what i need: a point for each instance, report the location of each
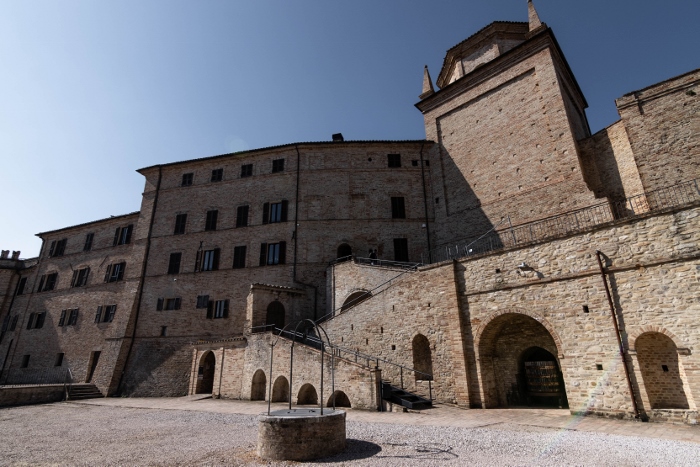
(210, 309)
(52, 248)
(122, 267)
(198, 261)
(159, 306)
(263, 254)
(73, 317)
(98, 314)
(129, 229)
(285, 204)
(217, 254)
(30, 323)
(266, 213)
(116, 236)
(112, 311)
(41, 283)
(283, 252)
(75, 276)
(62, 319)
(85, 277)
(225, 308)
(107, 272)
(178, 303)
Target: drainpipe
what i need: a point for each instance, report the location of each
(296, 236)
(425, 202)
(221, 372)
(621, 347)
(143, 278)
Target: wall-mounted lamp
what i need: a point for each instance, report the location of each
(524, 267)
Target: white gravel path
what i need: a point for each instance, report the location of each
(72, 434)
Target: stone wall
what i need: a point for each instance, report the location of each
(25, 395)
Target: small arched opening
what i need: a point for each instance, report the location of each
(307, 395)
(540, 382)
(340, 399)
(661, 371)
(275, 314)
(422, 358)
(257, 388)
(205, 373)
(280, 390)
(355, 298)
(344, 250)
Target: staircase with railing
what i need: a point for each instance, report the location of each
(393, 388)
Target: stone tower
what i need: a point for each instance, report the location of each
(506, 119)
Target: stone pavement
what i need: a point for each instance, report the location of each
(440, 415)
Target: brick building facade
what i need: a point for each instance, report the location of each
(504, 205)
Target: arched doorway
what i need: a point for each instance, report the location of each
(275, 314)
(341, 400)
(307, 395)
(540, 382)
(505, 345)
(355, 298)
(257, 388)
(280, 390)
(344, 250)
(661, 371)
(205, 373)
(422, 358)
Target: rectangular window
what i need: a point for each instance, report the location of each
(401, 249)
(394, 160)
(398, 209)
(211, 220)
(21, 285)
(122, 235)
(59, 359)
(115, 272)
(73, 318)
(272, 253)
(174, 264)
(25, 361)
(48, 282)
(110, 311)
(187, 179)
(277, 165)
(208, 260)
(98, 315)
(180, 223)
(275, 212)
(202, 301)
(242, 216)
(40, 318)
(58, 247)
(246, 170)
(217, 309)
(14, 322)
(62, 319)
(170, 303)
(80, 277)
(217, 175)
(88, 242)
(414, 163)
(163, 331)
(239, 257)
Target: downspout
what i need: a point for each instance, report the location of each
(425, 201)
(295, 235)
(221, 373)
(143, 279)
(621, 347)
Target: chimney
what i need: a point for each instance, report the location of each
(4, 254)
(338, 137)
(15, 255)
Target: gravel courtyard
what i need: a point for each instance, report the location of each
(77, 434)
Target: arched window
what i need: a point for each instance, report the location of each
(275, 314)
(422, 358)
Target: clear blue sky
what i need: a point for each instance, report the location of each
(90, 91)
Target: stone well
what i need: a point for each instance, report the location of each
(301, 434)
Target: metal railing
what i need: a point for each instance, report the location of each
(350, 355)
(34, 376)
(561, 225)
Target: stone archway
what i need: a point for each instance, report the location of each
(540, 382)
(341, 400)
(355, 298)
(307, 395)
(205, 373)
(661, 370)
(344, 250)
(504, 343)
(257, 387)
(422, 358)
(275, 315)
(280, 390)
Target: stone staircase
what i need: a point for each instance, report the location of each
(83, 391)
(404, 398)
